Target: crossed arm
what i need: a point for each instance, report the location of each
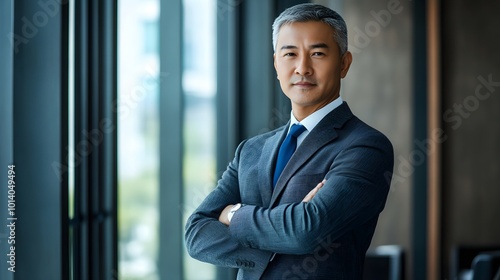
(223, 217)
(211, 241)
(352, 198)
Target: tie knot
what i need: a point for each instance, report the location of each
(296, 130)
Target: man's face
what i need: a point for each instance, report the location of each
(309, 65)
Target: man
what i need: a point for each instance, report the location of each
(311, 217)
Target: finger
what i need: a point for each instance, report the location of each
(308, 197)
(321, 184)
(312, 193)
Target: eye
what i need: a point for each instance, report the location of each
(290, 54)
(318, 54)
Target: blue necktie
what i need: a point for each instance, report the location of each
(287, 149)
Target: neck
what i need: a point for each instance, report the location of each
(302, 112)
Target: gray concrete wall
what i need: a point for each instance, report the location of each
(471, 111)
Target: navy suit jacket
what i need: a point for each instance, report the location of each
(276, 235)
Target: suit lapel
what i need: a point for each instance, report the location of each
(267, 162)
(322, 134)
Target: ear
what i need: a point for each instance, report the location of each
(275, 67)
(346, 63)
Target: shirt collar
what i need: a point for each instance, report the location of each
(313, 119)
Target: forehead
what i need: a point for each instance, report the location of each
(310, 31)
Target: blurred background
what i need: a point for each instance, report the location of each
(120, 116)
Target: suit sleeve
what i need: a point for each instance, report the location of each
(355, 193)
(209, 240)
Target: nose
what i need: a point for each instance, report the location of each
(303, 67)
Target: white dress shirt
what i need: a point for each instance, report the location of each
(313, 119)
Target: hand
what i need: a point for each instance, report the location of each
(313, 192)
(223, 215)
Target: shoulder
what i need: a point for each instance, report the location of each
(258, 141)
(261, 138)
(362, 133)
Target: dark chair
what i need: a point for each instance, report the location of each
(384, 263)
(461, 258)
(486, 265)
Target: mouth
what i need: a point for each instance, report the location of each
(304, 84)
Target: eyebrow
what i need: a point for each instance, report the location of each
(313, 46)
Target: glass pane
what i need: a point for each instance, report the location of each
(138, 151)
(71, 131)
(199, 84)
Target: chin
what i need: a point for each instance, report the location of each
(302, 102)
(302, 98)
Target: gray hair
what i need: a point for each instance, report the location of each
(313, 12)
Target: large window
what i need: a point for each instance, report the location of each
(199, 89)
(138, 105)
(138, 152)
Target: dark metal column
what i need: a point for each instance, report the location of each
(95, 222)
